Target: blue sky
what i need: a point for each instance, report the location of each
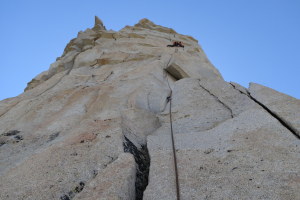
(247, 40)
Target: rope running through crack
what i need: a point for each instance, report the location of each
(172, 136)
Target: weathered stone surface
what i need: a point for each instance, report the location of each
(145, 23)
(231, 98)
(109, 92)
(162, 177)
(115, 182)
(251, 156)
(137, 124)
(285, 107)
(48, 167)
(193, 108)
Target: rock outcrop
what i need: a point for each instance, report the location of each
(99, 125)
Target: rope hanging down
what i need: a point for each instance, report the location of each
(169, 99)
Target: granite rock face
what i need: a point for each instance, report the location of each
(119, 91)
(283, 106)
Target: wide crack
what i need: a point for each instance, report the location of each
(281, 121)
(142, 160)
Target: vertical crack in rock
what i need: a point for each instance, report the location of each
(136, 125)
(142, 159)
(169, 99)
(174, 149)
(217, 98)
(281, 121)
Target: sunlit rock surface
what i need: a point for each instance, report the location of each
(112, 92)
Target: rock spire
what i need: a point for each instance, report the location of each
(97, 124)
(98, 24)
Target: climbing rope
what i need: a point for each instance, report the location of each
(169, 99)
(174, 151)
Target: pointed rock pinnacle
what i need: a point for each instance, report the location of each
(98, 24)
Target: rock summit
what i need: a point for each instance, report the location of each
(119, 115)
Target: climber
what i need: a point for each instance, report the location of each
(180, 44)
(176, 44)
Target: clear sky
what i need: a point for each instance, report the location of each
(247, 40)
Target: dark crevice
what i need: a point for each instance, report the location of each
(234, 87)
(171, 75)
(142, 160)
(11, 133)
(217, 98)
(176, 72)
(281, 121)
(169, 72)
(71, 194)
(10, 137)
